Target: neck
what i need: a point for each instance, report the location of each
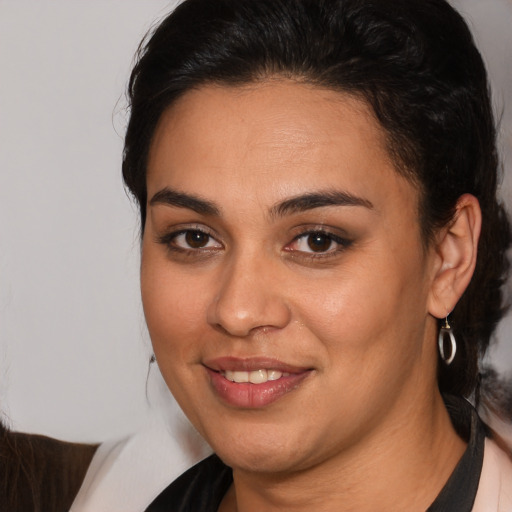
(401, 467)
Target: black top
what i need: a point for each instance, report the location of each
(202, 487)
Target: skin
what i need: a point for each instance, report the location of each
(366, 429)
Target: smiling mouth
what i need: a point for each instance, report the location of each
(254, 377)
(253, 383)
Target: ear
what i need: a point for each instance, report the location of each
(455, 257)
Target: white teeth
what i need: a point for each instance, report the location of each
(237, 376)
(258, 376)
(254, 377)
(274, 374)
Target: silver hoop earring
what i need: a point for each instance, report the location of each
(443, 331)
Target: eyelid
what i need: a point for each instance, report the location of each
(174, 232)
(342, 240)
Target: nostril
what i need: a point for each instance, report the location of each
(218, 327)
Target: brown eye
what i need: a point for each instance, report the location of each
(319, 242)
(190, 240)
(196, 239)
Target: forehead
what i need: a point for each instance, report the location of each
(277, 135)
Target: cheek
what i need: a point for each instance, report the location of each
(377, 305)
(173, 307)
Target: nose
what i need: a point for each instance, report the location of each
(250, 298)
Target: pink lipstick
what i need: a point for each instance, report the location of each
(255, 382)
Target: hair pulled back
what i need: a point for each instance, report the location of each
(413, 61)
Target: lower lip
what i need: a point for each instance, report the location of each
(253, 396)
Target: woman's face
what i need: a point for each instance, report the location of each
(284, 280)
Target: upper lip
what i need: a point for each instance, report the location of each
(222, 364)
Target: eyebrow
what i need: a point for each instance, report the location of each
(297, 204)
(304, 202)
(181, 200)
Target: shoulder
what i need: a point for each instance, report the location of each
(127, 474)
(40, 473)
(495, 486)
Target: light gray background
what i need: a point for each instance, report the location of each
(73, 347)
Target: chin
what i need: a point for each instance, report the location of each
(261, 461)
(264, 451)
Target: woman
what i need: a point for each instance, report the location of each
(322, 251)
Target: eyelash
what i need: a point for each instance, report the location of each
(342, 243)
(169, 240)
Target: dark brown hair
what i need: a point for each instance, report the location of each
(40, 474)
